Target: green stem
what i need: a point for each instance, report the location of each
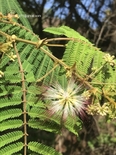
(96, 71)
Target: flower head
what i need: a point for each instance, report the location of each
(110, 59)
(68, 102)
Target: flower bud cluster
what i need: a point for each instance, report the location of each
(97, 109)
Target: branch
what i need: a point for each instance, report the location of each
(102, 29)
(24, 99)
(94, 16)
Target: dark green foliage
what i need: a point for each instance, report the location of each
(87, 58)
(13, 7)
(35, 64)
(21, 105)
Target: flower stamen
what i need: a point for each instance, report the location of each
(69, 101)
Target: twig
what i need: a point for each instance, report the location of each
(101, 32)
(47, 73)
(102, 29)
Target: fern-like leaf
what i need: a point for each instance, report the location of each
(65, 30)
(49, 126)
(42, 149)
(10, 113)
(5, 102)
(11, 149)
(10, 137)
(11, 124)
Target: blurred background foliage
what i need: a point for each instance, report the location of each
(95, 20)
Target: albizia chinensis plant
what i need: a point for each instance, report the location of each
(68, 101)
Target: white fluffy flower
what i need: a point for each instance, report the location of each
(67, 102)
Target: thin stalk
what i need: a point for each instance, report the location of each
(95, 72)
(4, 34)
(54, 58)
(56, 45)
(59, 39)
(109, 99)
(24, 99)
(43, 77)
